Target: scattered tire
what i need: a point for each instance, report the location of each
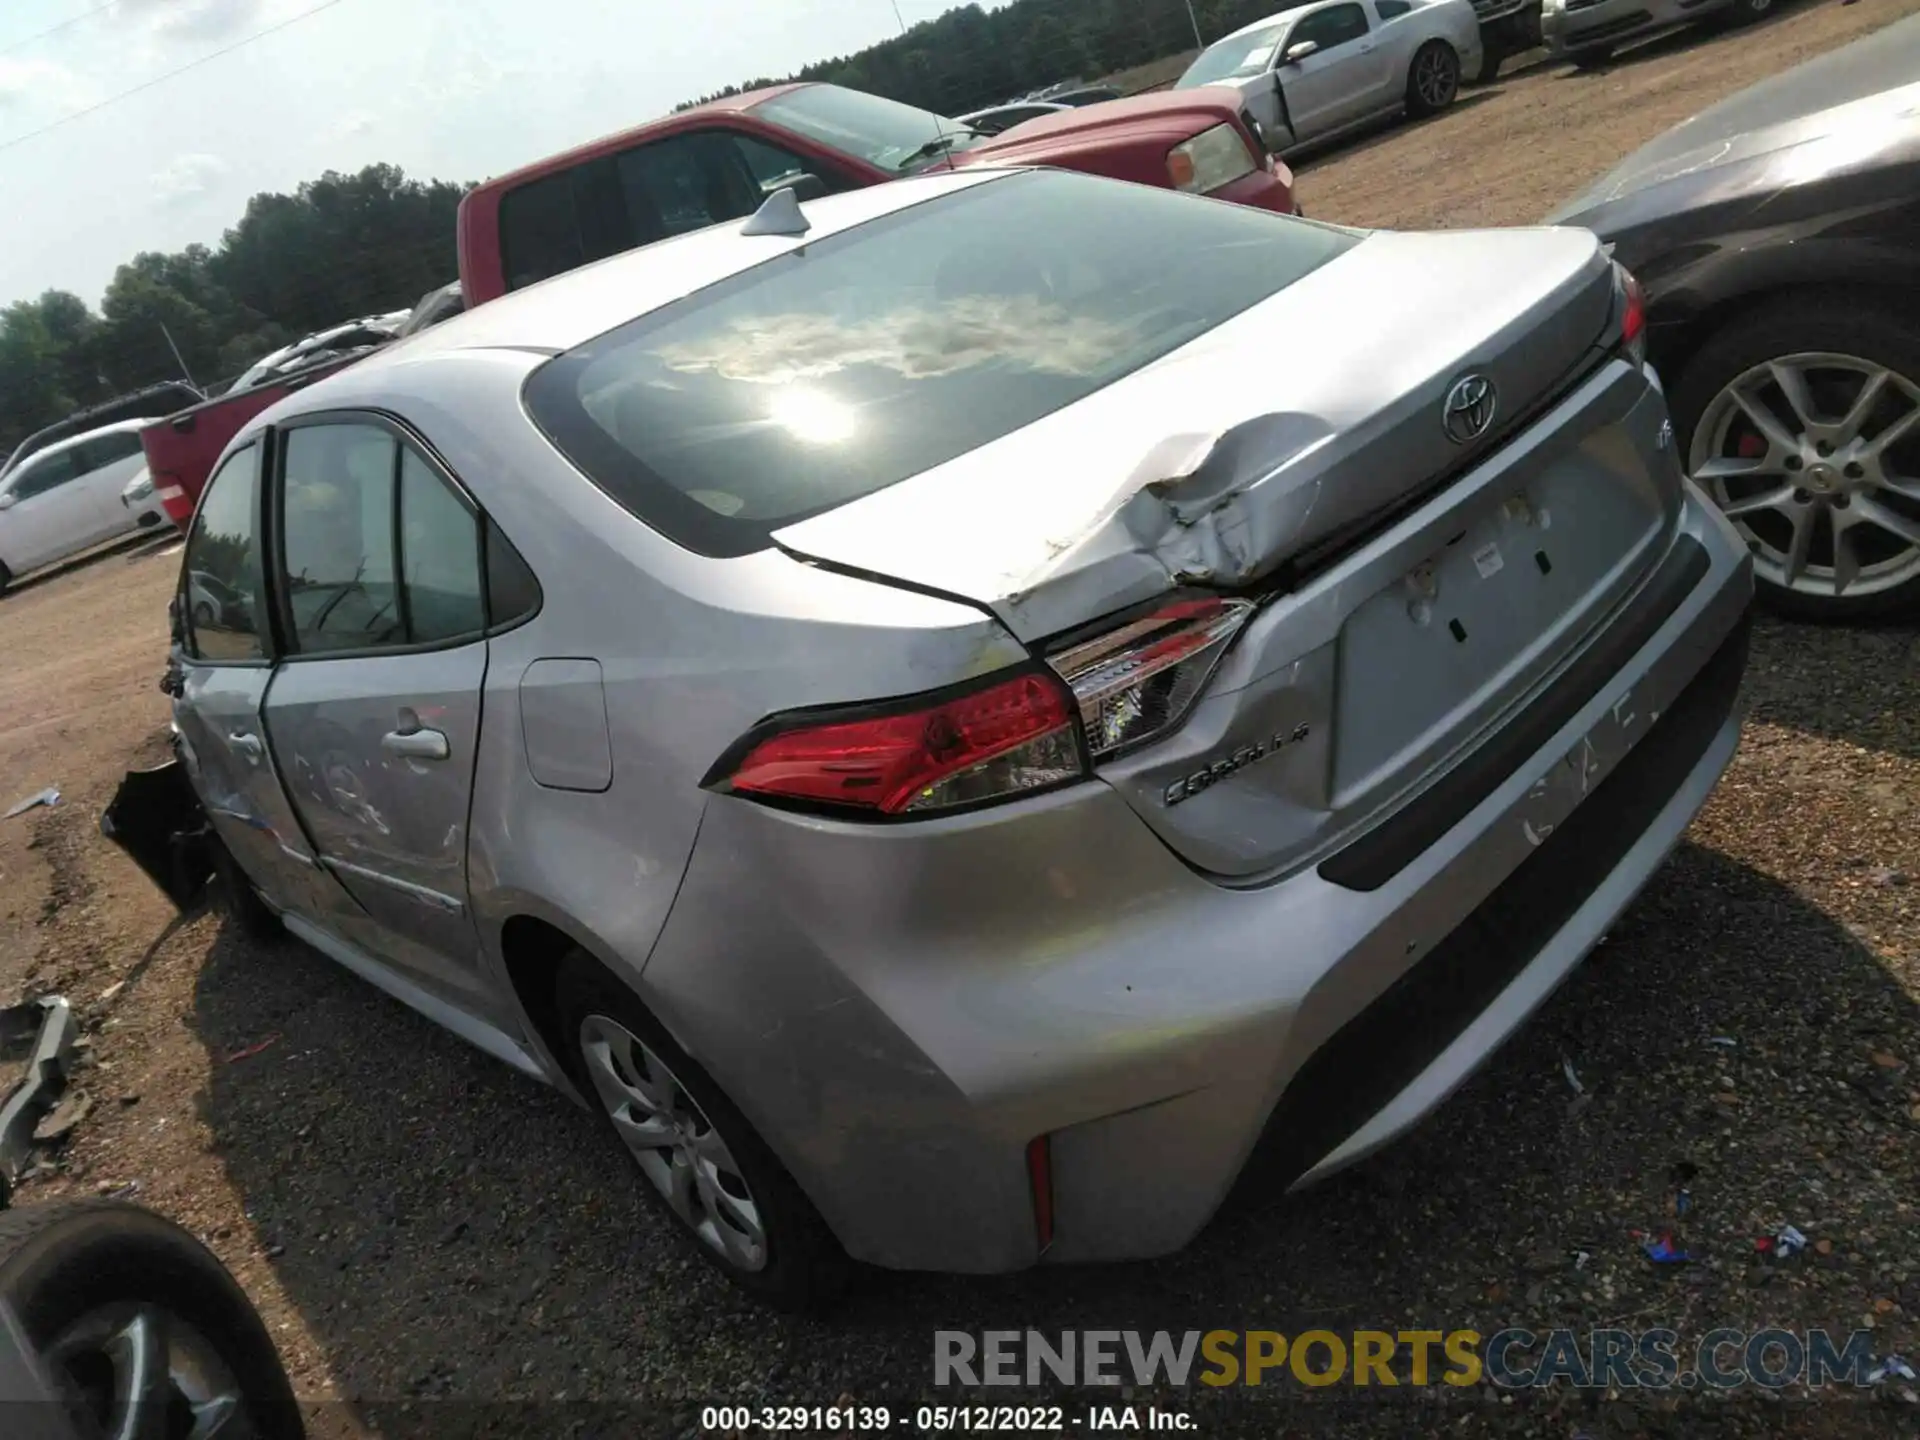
(1801, 420)
(141, 1323)
(703, 1166)
(1433, 80)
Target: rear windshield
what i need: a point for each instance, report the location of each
(896, 137)
(890, 348)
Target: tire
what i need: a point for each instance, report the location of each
(203, 616)
(1490, 62)
(1746, 12)
(1594, 59)
(80, 1273)
(1433, 79)
(233, 896)
(1833, 341)
(6, 579)
(801, 1267)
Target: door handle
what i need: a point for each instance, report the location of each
(247, 744)
(422, 744)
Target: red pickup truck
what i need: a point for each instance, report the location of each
(721, 160)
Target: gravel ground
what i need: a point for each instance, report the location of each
(439, 1244)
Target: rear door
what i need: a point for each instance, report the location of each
(108, 462)
(226, 667)
(1342, 80)
(375, 712)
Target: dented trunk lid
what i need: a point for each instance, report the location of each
(1271, 438)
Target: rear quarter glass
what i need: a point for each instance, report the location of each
(885, 350)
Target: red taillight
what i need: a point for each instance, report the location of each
(1040, 1182)
(986, 744)
(1633, 317)
(1139, 681)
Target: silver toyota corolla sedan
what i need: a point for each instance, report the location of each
(970, 717)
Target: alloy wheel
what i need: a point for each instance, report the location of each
(1815, 458)
(138, 1370)
(1434, 78)
(677, 1147)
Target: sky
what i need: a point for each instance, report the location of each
(448, 89)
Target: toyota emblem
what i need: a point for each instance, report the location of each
(1469, 409)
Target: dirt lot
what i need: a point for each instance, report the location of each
(423, 1228)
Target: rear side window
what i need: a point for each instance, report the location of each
(222, 570)
(381, 551)
(105, 450)
(885, 350)
(1392, 9)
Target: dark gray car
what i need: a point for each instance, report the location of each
(1778, 236)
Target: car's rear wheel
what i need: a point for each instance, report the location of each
(233, 894)
(1802, 421)
(1744, 12)
(6, 579)
(1491, 59)
(1593, 58)
(141, 1326)
(1433, 80)
(703, 1165)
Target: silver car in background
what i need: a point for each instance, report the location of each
(1587, 32)
(1318, 71)
(967, 717)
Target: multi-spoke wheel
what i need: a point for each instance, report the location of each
(1434, 78)
(140, 1328)
(675, 1144)
(701, 1161)
(1803, 424)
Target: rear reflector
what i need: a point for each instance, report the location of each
(1040, 1182)
(1006, 739)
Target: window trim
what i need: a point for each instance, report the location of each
(269, 640)
(405, 438)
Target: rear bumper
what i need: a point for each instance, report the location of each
(1613, 22)
(900, 1018)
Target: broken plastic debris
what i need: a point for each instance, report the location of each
(48, 796)
(1682, 1201)
(1725, 1042)
(252, 1050)
(1580, 1259)
(1662, 1251)
(1573, 1079)
(1890, 1367)
(1789, 1241)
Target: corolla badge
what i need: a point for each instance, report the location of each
(1467, 413)
(1189, 786)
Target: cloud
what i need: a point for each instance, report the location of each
(197, 20)
(42, 85)
(188, 178)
